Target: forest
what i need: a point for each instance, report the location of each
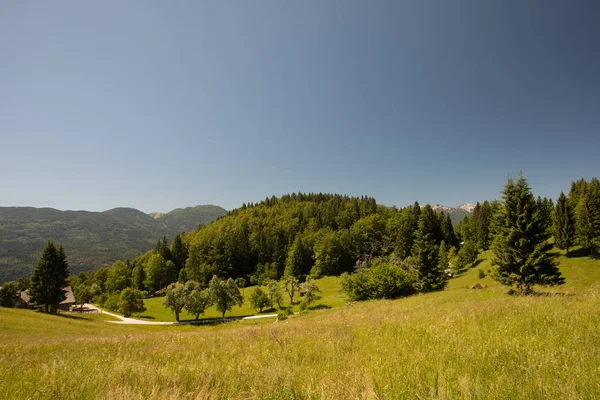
(304, 235)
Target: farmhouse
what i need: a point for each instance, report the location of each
(24, 300)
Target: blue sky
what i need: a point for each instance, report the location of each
(158, 105)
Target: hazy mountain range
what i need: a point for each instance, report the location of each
(90, 238)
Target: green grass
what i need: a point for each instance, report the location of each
(330, 296)
(455, 344)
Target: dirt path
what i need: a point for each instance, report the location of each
(133, 321)
(125, 320)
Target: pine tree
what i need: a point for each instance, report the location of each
(426, 253)
(49, 278)
(546, 208)
(449, 236)
(443, 255)
(162, 248)
(481, 221)
(521, 250)
(179, 253)
(564, 224)
(587, 216)
(299, 258)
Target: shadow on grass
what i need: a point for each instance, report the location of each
(66, 315)
(319, 307)
(578, 253)
(145, 316)
(551, 294)
(212, 321)
(513, 292)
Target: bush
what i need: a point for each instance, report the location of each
(481, 274)
(110, 301)
(281, 316)
(383, 280)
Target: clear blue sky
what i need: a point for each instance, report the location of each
(164, 104)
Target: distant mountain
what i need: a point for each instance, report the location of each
(90, 238)
(187, 219)
(456, 213)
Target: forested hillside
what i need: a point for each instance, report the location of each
(308, 234)
(92, 238)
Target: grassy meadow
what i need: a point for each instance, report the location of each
(459, 343)
(330, 296)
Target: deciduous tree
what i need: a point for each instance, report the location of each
(8, 294)
(308, 291)
(130, 301)
(259, 299)
(176, 298)
(224, 294)
(274, 292)
(197, 300)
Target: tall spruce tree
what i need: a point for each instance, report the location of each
(564, 223)
(521, 250)
(449, 236)
(409, 222)
(179, 253)
(426, 254)
(546, 207)
(587, 216)
(49, 278)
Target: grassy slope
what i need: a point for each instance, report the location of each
(459, 343)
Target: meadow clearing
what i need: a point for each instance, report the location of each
(459, 343)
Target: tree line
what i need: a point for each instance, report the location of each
(310, 235)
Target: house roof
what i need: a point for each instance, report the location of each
(24, 296)
(68, 292)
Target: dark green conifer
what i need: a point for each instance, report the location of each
(564, 223)
(587, 215)
(426, 255)
(49, 278)
(521, 250)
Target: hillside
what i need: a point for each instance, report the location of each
(458, 343)
(91, 238)
(188, 219)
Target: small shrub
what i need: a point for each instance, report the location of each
(481, 274)
(281, 316)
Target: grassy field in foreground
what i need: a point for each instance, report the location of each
(330, 296)
(459, 343)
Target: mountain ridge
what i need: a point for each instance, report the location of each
(91, 238)
(457, 213)
(468, 207)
